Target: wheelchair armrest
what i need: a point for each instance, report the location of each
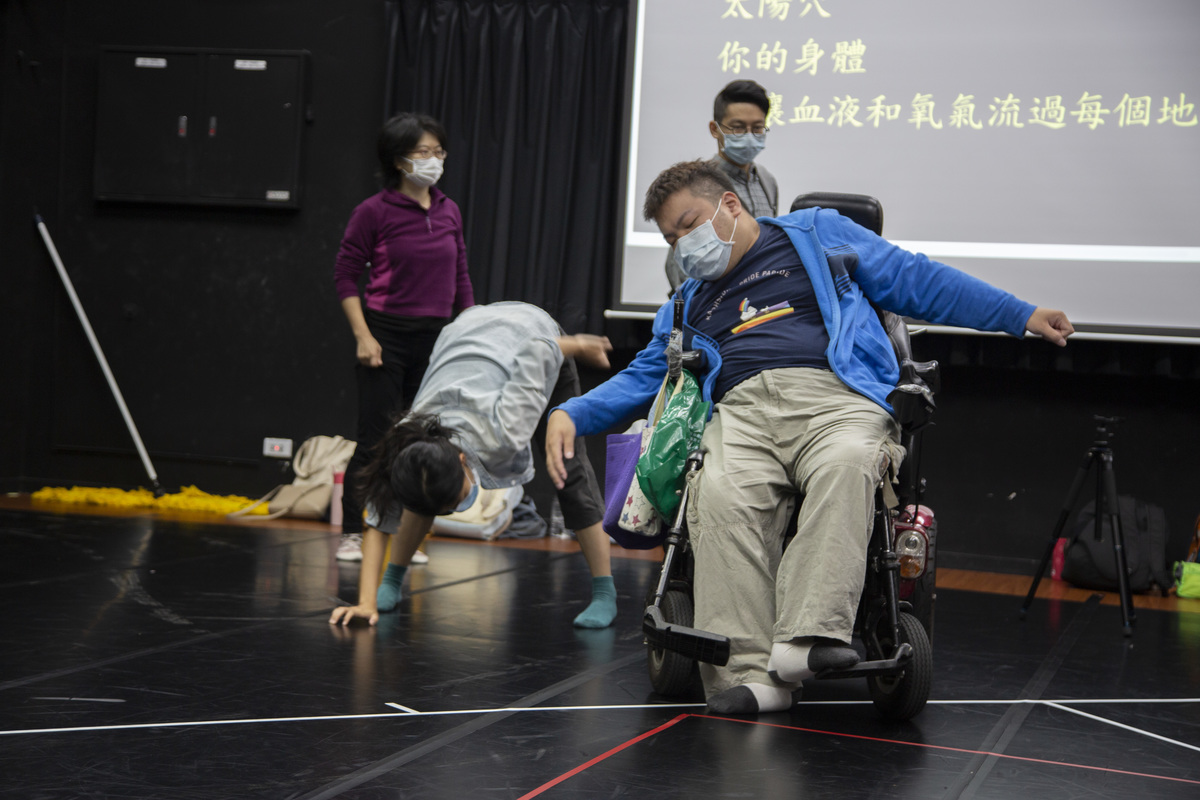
(927, 372)
(912, 399)
(694, 361)
(897, 332)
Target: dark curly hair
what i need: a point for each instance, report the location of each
(699, 177)
(414, 466)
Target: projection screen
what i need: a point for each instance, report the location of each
(1050, 147)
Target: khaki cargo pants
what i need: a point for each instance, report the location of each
(783, 436)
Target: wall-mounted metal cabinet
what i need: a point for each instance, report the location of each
(206, 126)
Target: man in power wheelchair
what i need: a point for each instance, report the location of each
(894, 621)
(799, 369)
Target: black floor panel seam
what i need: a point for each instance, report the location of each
(975, 773)
(383, 766)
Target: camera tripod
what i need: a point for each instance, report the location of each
(1099, 455)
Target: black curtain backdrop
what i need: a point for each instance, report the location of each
(531, 95)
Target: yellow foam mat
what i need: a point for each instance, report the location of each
(188, 498)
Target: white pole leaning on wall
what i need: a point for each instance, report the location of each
(91, 335)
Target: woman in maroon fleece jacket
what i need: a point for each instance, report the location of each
(409, 240)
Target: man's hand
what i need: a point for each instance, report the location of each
(560, 445)
(370, 352)
(1050, 324)
(588, 348)
(344, 614)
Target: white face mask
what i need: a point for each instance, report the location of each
(425, 171)
(469, 500)
(702, 254)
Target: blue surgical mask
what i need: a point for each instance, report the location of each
(469, 500)
(702, 254)
(743, 148)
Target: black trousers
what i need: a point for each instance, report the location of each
(385, 391)
(580, 499)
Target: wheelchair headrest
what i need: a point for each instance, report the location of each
(862, 208)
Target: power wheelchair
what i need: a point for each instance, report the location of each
(893, 627)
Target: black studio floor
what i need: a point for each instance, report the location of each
(144, 658)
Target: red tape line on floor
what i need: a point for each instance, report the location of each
(951, 749)
(603, 756)
(682, 717)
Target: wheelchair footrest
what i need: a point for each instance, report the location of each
(887, 666)
(693, 643)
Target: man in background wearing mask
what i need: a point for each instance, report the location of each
(739, 125)
(799, 369)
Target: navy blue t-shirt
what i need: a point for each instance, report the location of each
(763, 314)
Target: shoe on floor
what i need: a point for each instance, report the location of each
(350, 548)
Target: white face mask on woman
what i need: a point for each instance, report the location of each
(425, 171)
(702, 254)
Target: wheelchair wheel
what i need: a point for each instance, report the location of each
(672, 674)
(903, 696)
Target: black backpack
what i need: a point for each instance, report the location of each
(1091, 564)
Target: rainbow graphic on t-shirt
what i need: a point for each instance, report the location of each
(752, 317)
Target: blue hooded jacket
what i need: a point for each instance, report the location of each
(849, 267)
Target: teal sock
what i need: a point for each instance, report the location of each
(603, 608)
(389, 594)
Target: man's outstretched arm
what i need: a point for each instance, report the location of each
(1050, 324)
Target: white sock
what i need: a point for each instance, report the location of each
(770, 698)
(789, 660)
(751, 698)
(800, 659)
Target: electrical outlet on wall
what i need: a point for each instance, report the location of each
(277, 448)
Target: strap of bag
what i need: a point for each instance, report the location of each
(665, 393)
(660, 403)
(266, 498)
(285, 511)
(889, 489)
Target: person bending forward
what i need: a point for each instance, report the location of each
(491, 375)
